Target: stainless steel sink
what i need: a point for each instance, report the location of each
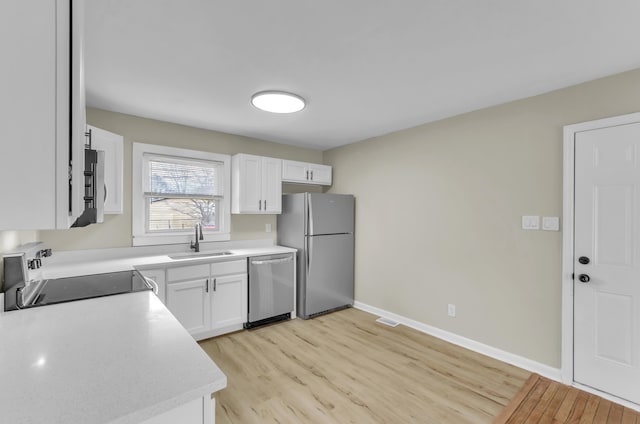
(199, 255)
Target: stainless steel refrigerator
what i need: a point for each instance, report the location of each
(321, 227)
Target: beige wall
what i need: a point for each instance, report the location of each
(439, 213)
(116, 230)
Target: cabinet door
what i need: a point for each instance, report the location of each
(78, 120)
(295, 172)
(112, 145)
(41, 82)
(306, 173)
(247, 184)
(320, 174)
(189, 302)
(229, 301)
(28, 113)
(271, 185)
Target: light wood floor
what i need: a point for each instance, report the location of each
(544, 401)
(346, 368)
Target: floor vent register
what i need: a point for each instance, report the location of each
(387, 321)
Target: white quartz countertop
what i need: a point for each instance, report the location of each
(112, 261)
(116, 359)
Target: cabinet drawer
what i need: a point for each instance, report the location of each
(231, 267)
(187, 273)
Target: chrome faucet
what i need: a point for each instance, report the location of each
(196, 245)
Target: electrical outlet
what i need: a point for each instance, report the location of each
(451, 310)
(551, 223)
(531, 222)
(267, 228)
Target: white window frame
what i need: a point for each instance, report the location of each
(138, 225)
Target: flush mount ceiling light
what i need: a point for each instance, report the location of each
(277, 102)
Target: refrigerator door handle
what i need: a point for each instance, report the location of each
(309, 214)
(308, 253)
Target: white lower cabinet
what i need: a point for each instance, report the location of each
(189, 302)
(210, 299)
(229, 301)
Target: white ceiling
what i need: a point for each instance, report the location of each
(365, 67)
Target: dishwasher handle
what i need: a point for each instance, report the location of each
(272, 261)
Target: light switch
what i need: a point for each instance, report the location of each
(530, 222)
(551, 223)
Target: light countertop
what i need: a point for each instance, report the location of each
(97, 263)
(116, 359)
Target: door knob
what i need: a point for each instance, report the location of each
(584, 278)
(583, 260)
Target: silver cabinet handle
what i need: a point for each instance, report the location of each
(307, 174)
(265, 205)
(215, 284)
(259, 205)
(311, 175)
(207, 286)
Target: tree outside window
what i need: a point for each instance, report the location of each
(182, 193)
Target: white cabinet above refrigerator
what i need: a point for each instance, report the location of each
(305, 173)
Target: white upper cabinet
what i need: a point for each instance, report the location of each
(42, 103)
(112, 146)
(256, 185)
(305, 173)
(320, 174)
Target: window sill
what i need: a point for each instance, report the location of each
(151, 240)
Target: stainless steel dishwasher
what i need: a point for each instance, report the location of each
(271, 288)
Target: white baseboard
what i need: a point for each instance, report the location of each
(501, 355)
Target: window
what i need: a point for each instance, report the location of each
(180, 193)
(175, 189)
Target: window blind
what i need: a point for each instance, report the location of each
(168, 176)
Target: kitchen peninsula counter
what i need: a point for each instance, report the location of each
(116, 359)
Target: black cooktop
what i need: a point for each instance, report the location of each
(59, 290)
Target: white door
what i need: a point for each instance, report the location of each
(189, 302)
(271, 185)
(320, 174)
(112, 146)
(251, 180)
(607, 260)
(229, 301)
(294, 171)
